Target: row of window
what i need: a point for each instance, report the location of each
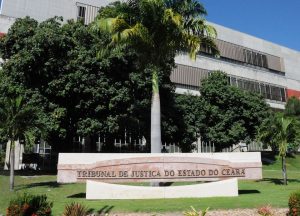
(255, 58)
(240, 54)
(81, 13)
(268, 91)
(87, 13)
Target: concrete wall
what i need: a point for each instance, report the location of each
(249, 72)
(5, 23)
(291, 58)
(44, 9)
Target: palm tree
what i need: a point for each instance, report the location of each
(286, 134)
(158, 30)
(279, 131)
(17, 120)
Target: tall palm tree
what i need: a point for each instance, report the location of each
(17, 120)
(279, 131)
(158, 30)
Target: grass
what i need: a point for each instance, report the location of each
(253, 194)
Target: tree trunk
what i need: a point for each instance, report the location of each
(284, 170)
(155, 116)
(12, 166)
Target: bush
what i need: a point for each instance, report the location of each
(265, 211)
(294, 204)
(75, 209)
(29, 205)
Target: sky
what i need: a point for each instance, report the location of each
(277, 21)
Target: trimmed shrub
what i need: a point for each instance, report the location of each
(75, 209)
(294, 204)
(29, 205)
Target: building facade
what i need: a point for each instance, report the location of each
(251, 63)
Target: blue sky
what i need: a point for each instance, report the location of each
(273, 20)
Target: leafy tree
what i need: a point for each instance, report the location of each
(292, 110)
(264, 136)
(279, 131)
(229, 115)
(292, 107)
(190, 117)
(17, 120)
(59, 72)
(157, 30)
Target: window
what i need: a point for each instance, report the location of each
(283, 96)
(265, 62)
(1, 5)
(266, 90)
(81, 13)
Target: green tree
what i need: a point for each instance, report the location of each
(230, 115)
(264, 136)
(59, 72)
(157, 30)
(292, 110)
(190, 118)
(292, 107)
(279, 131)
(17, 120)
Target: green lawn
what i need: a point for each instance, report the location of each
(252, 193)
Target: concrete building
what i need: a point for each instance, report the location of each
(252, 63)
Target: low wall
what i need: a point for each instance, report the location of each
(81, 167)
(100, 190)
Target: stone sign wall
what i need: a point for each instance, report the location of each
(158, 167)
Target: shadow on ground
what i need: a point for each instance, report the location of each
(105, 210)
(79, 195)
(278, 181)
(50, 184)
(29, 172)
(248, 192)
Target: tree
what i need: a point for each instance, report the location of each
(279, 131)
(58, 71)
(265, 136)
(292, 110)
(292, 107)
(17, 120)
(230, 115)
(157, 30)
(190, 118)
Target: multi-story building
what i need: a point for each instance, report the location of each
(251, 63)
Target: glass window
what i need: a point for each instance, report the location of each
(267, 91)
(264, 61)
(233, 81)
(0, 5)
(81, 13)
(283, 96)
(275, 93)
